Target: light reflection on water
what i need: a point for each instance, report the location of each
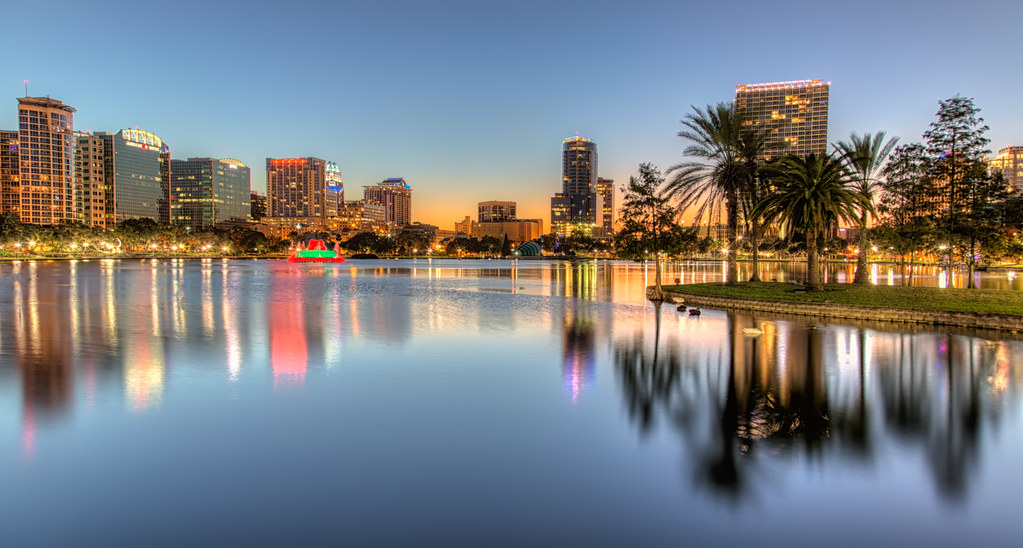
(545, 400)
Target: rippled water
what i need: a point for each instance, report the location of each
(482, 403)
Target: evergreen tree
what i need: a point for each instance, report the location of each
(649, 223)
(957, 149)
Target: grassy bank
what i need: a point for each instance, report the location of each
(982, 301)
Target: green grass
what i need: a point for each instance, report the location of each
(983, 301)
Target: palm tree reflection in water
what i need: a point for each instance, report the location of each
(833, 394)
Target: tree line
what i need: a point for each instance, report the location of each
(935, 197)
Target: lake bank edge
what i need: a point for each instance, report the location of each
(975, 320)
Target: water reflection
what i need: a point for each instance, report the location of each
(498, 384)
(801, 392)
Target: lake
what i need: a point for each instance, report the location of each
(443, 402)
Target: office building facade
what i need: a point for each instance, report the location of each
(335, 188)
(793, 114)
(10, 192)
(1009, 162)
(517, 230)
(606, 189)
(297, 187)
(45, 187)
(494, 211)
(396, 196)
(208, 191)
(257, 205)
(578, 207)
(91, 195)
(137, 170)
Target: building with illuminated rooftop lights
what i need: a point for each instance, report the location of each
(396, 197)
(794, 115)
(208, 191)
(297, 187)
(137, 171)
(1009, 162)
(578, 207)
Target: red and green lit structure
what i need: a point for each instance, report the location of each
(315, 252)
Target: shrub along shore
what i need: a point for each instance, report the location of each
(980, 308)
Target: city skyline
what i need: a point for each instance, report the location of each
(468, 102)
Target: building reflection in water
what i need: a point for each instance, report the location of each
(289, 352)
(579, 284)
(831, 393)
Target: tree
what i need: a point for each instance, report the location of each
(649, 223)
(904, 202)
(957, 148)
(363, 242)
(720, 169)
(865, 157)
(810, 194)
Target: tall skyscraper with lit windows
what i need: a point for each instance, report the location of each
(606, 189)
(45, 186)
(10, 192)
(396, 197)
(90, 206)
(1009, 162)
(137, 166)
(794, 115)
(578, 206)
(298, 187)
(207, 191)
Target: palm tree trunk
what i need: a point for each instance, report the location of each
(813, 273)
(754, 241)
(905, 281)
(658, 294)
(861, 276)
(732, 269)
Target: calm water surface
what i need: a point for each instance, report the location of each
(482, 403)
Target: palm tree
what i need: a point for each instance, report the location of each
(721, 168)
(809, 194)
(865, 157)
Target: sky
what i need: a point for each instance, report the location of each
(470, 100)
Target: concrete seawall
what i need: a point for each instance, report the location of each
(1002, 322)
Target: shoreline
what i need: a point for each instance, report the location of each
(972, 320)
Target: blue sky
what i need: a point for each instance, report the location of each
(469, 101)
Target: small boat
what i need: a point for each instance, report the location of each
(316, 252)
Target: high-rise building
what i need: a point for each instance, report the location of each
(137, 169)
(794, 115)
(606, 189)
(578, 206)
(493, 211)
(335, 187)
(396, 197)
(297, 187)
(10, 193)
(207, 191)
(46, 161)
(1009, 162)
(91, 195)
(257, 206)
